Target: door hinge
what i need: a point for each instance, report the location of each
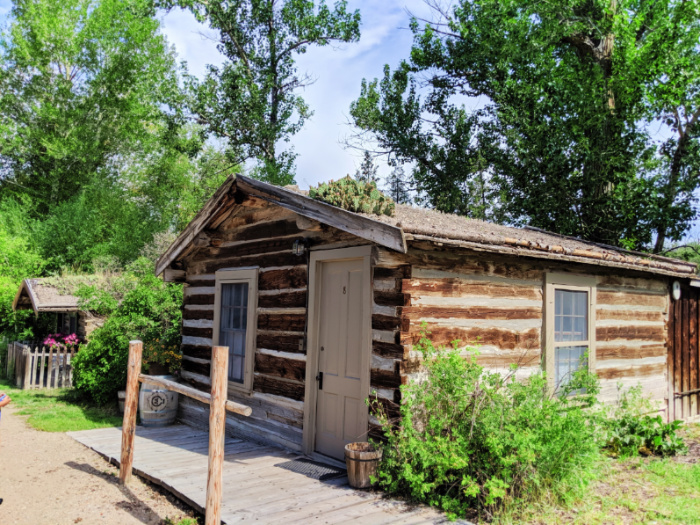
(319, 378)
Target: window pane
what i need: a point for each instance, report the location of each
(232, 329)
(570, 315)
(567, 360)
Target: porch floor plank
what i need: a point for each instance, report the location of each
(254, 488)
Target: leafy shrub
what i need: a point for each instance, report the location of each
(149, 311)
(355, 196)
(631, 430)
(470, 439)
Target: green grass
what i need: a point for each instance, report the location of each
(636, 490)
(58, 410)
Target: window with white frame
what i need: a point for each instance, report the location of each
(234, 322)
(569, 327)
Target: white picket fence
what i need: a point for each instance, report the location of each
(40, 366)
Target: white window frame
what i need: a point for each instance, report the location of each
(242, 275)
(577, 283)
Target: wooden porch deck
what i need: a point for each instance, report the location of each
(254, 488)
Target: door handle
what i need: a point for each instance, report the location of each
(319, 378)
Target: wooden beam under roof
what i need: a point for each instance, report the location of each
(375, 231)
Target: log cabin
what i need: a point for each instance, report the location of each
(321, 307)
(44, 298)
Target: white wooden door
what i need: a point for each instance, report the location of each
(341, 413)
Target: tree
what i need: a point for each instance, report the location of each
(567, 139)
(82, 83)
(91, 134)
(398, 186)
(252, 101)
(367, 172)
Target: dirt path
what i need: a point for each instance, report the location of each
(49, 479)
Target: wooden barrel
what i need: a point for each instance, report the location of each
(362, 460)
(157, 405)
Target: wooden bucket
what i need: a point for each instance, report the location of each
(157, 405)
(362, 460)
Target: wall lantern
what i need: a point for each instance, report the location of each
(676, 290)
(299, 247)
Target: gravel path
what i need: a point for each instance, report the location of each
(47, 478)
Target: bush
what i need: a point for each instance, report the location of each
(149, 311)
(632, 431)
(355, 196)
(470, 439)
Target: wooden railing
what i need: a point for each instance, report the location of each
(218, 403)
(40, 366)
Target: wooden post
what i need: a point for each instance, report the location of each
(130, 406)
(49, 370)
(217, 424)
(28, 368)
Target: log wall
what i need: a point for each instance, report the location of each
(631, 328)
(496, 304)
(262, 236)
(491, 301)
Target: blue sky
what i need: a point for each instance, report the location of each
(338, 71)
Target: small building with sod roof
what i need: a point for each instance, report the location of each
(44, 297)
(321, 307)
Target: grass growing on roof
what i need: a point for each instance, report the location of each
(58, 410)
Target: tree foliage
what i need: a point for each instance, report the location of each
(92, 138)
(367, 172)
(253, 100)
(149, 310)
(571, 96)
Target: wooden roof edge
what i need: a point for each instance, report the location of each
(521, 248)
(384, 234)
(36, 305)
(195, 226)
(376, 231)
(26, 285)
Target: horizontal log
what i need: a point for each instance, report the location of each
(200, 352)
(282, 322)
(471, 312)
(387, 322)
(632, 283)
(391, 298)
(283, 300)
(280, 366)
(188, 314)
(389, 350)
(641, 333)
(197, 332)
(632, 299)
(281, 279)
(632, 371)
(199, 299)
(196, 368)
(263, 230)
(498, 337)
(464, 262)
(194, 383)
(193, 282)
(262, 261)
(202, 397)
(391, 409)
(461, 287)
(279, 387)
(400, 272)
(384, 378)
(630, 315)
(629, 352)
(250, 248)
(282, 342)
